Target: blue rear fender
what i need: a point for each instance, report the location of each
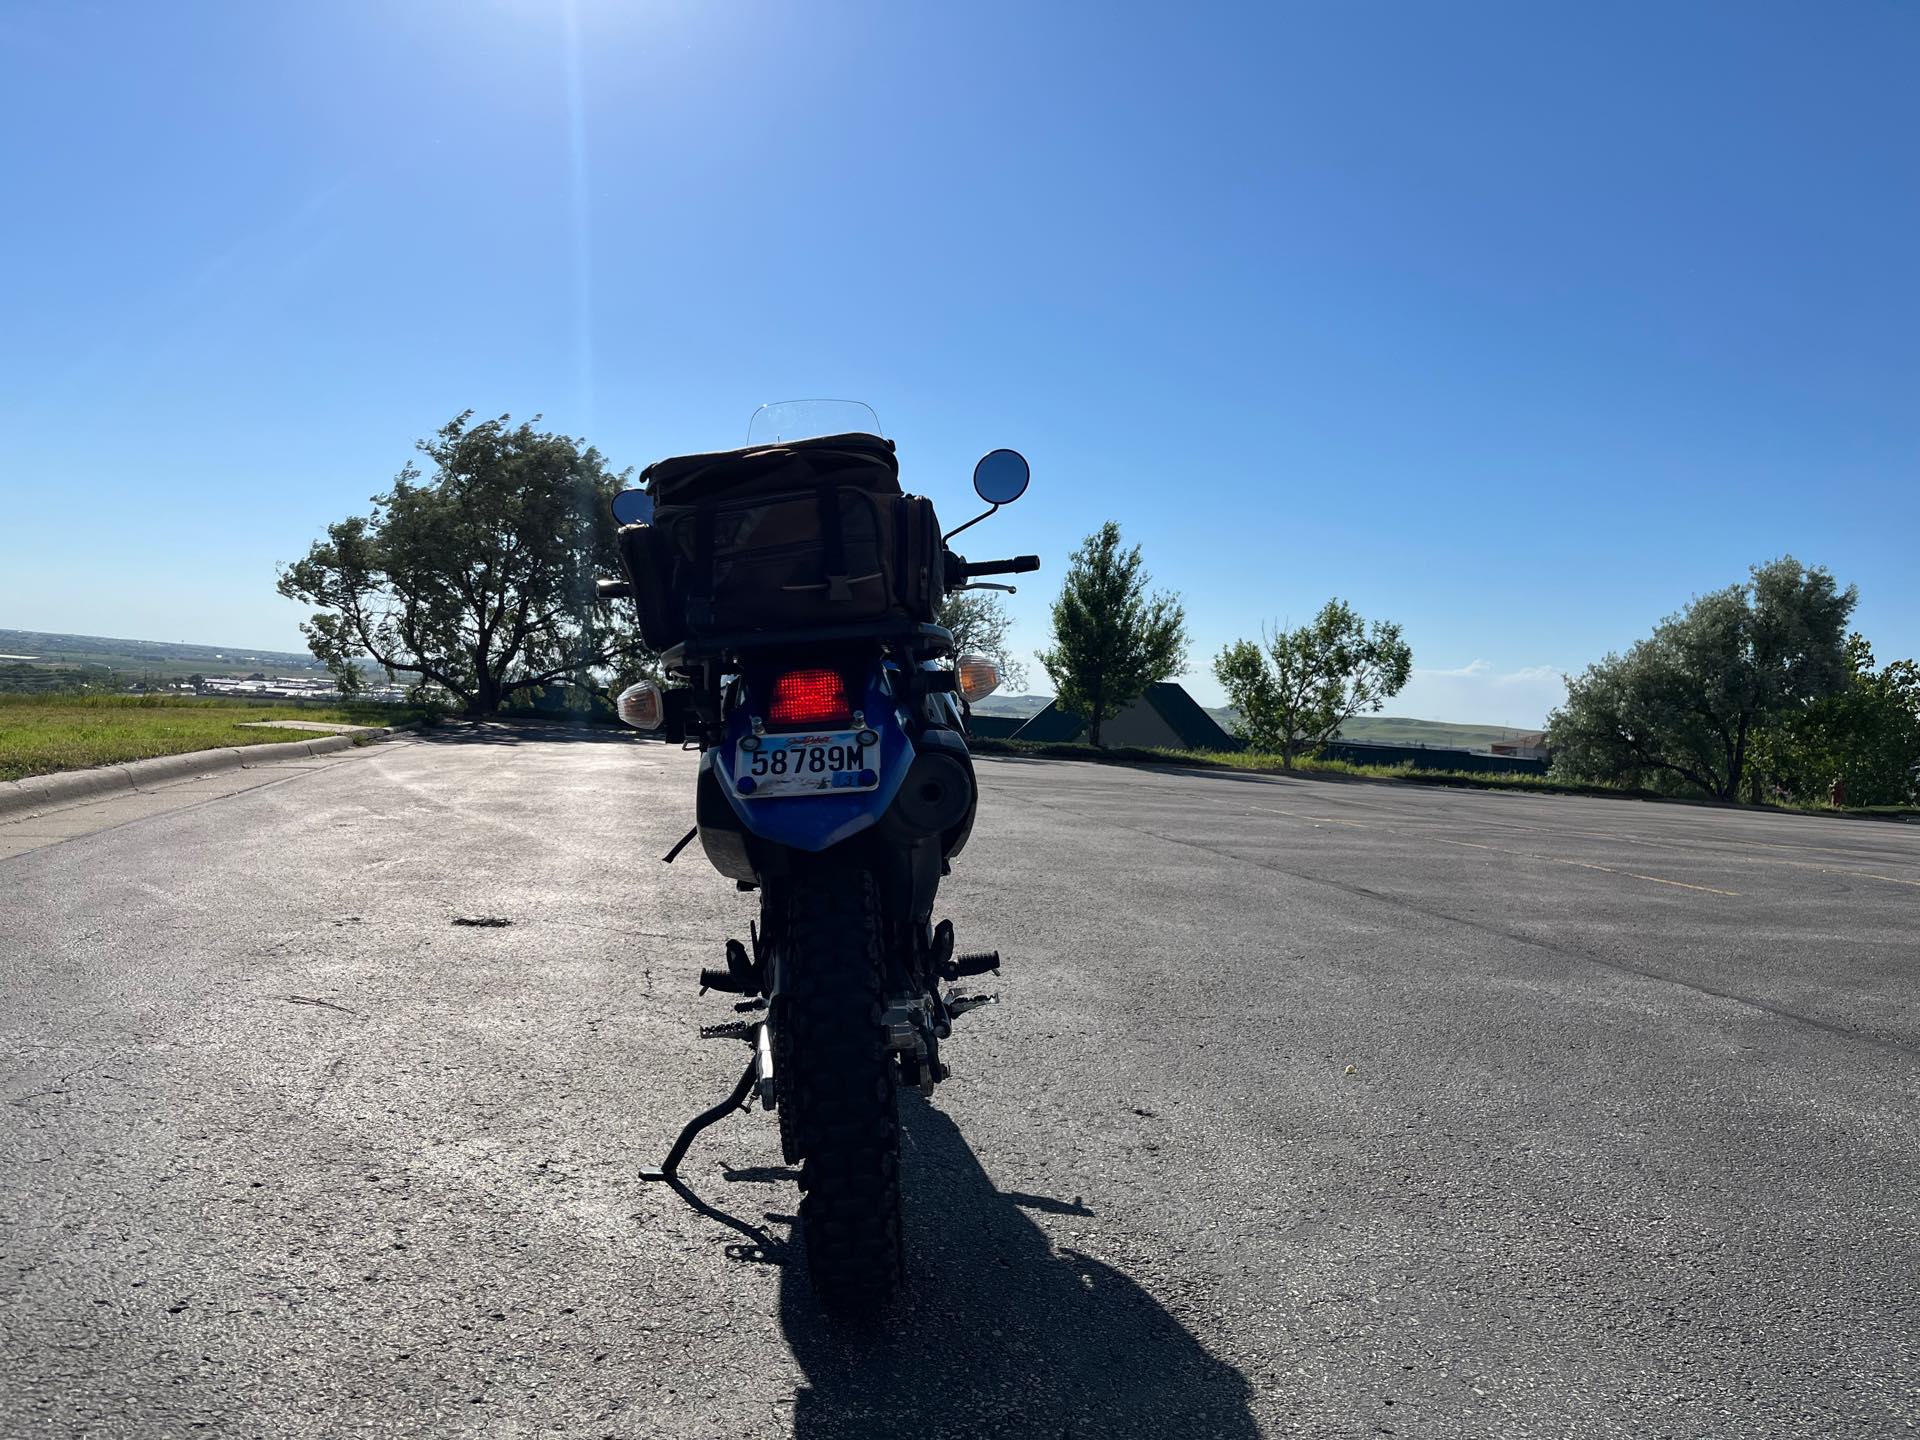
(818, 822)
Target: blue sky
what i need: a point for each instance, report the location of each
(1517, 323)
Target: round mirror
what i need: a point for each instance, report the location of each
(633, 507)
(1001, 477)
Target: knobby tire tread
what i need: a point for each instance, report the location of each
(842, 1082)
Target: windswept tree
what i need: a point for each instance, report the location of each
(980, 625)
(478, 577)
(1111, 639)
(1293, 696)
(1684, 708)
(1863, 740)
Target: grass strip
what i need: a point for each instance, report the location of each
(42, 734)
(1402, 773)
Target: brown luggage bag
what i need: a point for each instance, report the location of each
(784, 537)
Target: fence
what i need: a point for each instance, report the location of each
(1426, 757)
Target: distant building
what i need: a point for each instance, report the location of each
(1528, 745)
(280, 687)
(1166, 718)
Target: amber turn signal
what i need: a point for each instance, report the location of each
(641, 706)
(979, 678)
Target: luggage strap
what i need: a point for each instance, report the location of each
(839, 585)
(700, 592)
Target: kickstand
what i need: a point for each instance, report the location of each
(700, 1122)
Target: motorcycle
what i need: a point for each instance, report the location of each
(834, 780)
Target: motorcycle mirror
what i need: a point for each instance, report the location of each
(1001, 477)
(633, 507)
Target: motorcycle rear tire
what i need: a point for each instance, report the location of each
(840, 1082)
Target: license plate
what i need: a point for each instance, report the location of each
(824, 763)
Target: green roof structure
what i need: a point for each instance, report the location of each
(1165, 717)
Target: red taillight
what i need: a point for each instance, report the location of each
(810, 697)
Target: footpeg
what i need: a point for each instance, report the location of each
(979, 963)
(958, 1005)
(737, 979)
(732, 1030)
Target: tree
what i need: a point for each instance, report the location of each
(1682, 708)
(1294, 697)
(980, 623)
(477, 579)
(1110, 638)
(1865, 738)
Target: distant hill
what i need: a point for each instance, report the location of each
(161, 659)
(133, 653)
(1399, 730)
(1025, 707)
(1393, 730)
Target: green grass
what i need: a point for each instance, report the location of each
(1270, 765)
(1407, 770)
(40, 734)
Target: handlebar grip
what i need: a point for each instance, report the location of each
(1017, 565)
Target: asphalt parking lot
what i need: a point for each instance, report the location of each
(1311, 1108)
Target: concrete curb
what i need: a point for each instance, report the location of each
(38, 794)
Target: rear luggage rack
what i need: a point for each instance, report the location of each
(925, 641)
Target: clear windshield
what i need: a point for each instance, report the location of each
(803, 419)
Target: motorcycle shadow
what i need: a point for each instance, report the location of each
(1001, 1334)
